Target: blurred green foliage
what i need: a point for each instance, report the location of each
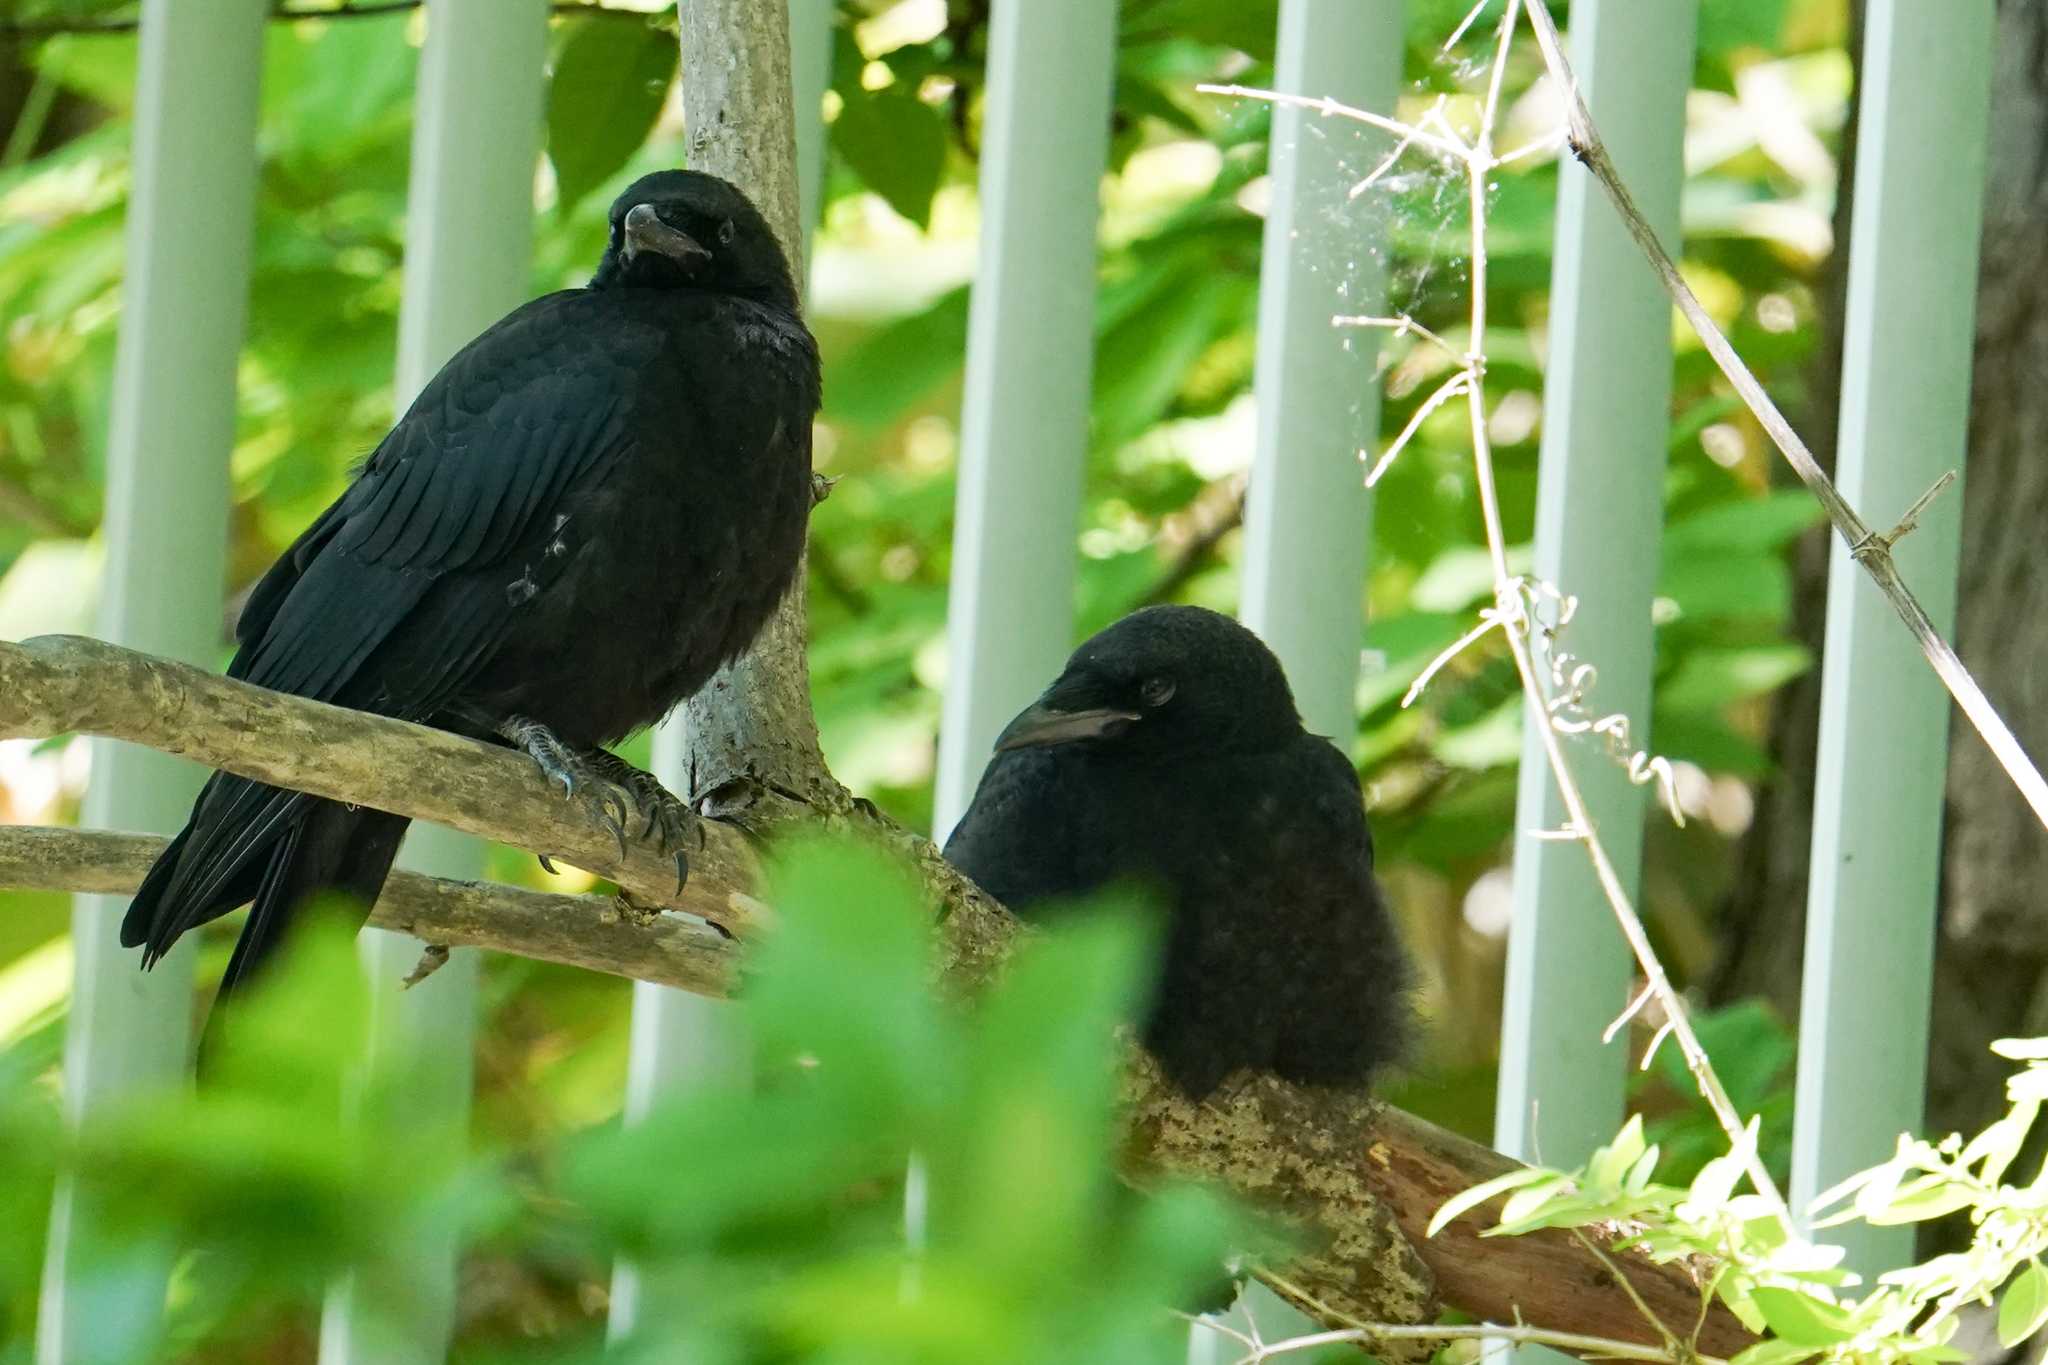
(1171, 436)
(767, 1220)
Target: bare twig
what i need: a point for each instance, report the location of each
(346, 9)
(1869, 549)
(587, 931)
(1448, 148)
(1370, 1334)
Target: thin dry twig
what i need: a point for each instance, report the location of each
(1449, 148)
(1512, 609)
(1368, 1334)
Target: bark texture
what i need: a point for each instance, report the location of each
(1361, 1179)
(599, 933)
(1991, 974)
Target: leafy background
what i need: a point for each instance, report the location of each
(1170, 440)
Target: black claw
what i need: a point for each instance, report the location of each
(682, 870)
(546, 864)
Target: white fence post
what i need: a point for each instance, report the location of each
(1030, 349)
(1599, 520)
(191, 215)
(469, 236)
(1308, 516)
(1876, 862)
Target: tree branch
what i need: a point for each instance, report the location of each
(1361, 1179)
(596, 932)
(55, 684)
(346, 9)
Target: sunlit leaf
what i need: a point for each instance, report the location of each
(610, 80)
(1800, 1318)
(1459, 1204)
(896, 143)
(2023, 1307)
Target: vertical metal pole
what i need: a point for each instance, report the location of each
(469, 236)
(1599, 517)
(1307, 514)
(810, 73)
(1030, 340)
(190, 218)
(680, 1041)
(1308, 517)
(1873, 897)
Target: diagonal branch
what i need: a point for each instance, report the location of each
(54, 684)
(1870, 549)
(1361, 1180)
(595, 932)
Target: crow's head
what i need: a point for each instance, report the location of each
(1164, 680)
(688, 230)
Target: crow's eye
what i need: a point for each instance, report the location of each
(725, 232)
(1157, 691)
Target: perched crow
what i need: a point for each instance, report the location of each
(592, 506)
(1169, 755)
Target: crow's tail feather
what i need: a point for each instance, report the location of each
(330, 849)
(249, 843)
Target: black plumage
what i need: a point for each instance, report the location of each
(1169, 755)
(592, 506)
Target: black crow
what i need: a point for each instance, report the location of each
(1169, 756)
(590, 508)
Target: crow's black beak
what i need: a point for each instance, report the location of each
(644, 231)
(1043, 724)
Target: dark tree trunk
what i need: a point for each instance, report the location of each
(1991, 975)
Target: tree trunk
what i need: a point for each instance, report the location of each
(752, 723)
(1991, 973)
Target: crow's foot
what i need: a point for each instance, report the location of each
(668, 818)
(606, 801)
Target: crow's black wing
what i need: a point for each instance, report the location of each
(1035, 830)
(1343, 975)
(400, 591)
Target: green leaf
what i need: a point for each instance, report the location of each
(1753, 524)
(1144, 356)
(1247, 25)
(872, 1031)
(610, 80)
(1471, 1199)
(1933, 1196)
(1772, 1353)
(896, 144)
(1716, 583)
(1536, 1195)
(1711, 678)
(1801, 1318)
(2023, 1308)
(1715, 1182)
(1729, 24)
(1025, 1165)
(1611, 1162)
(2022, 1049)
(879, 381)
